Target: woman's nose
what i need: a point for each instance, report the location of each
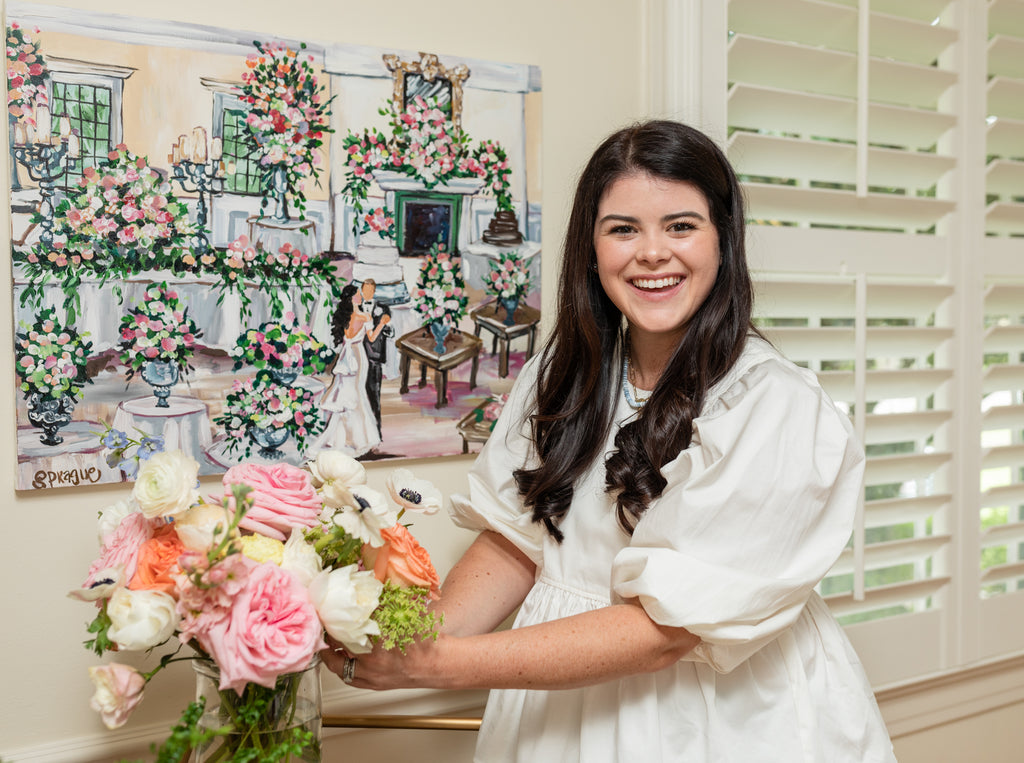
(652, 249)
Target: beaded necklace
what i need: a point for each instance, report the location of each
(636, 402)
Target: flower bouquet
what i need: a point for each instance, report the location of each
(286, 347)
(26, 74)
(440, 291)
(50, 359)
(159, 329)
(51, 363)
(508, 277)
(488, 413)
(288, 117)
(252, 583)
(264, 412)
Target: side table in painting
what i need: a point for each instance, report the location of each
(184, 424)
(418, 346)
(491, 316)
(472, 430)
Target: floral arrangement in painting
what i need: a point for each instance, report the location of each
(508, 276)
(440, 291)
(157, 329)
(492, 161)
(288, 115)
(245, 268)
(489, 412)
(249, 586)
(380, 221)
(50, 358)
(26, 74)
(121, 220)
(286, 346)
(261, 413)
(425, 144)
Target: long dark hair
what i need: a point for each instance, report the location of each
(343, 313)
(578, 380)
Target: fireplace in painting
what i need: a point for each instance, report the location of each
(424, 218)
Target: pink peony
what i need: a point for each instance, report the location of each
(122, 547)
(272, 629)
(283, 497)
(118, 691)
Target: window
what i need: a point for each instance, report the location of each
(90, 96)
(881, 149)
(239, 149)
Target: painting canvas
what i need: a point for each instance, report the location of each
(255, 249)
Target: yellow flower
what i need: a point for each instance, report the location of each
(261, 549)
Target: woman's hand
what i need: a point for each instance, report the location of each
(382, 669)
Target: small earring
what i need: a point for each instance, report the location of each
(593, 266)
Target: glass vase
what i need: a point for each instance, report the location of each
(269, 440)
(510, 304)
(260, 720)
(440, 331)
(50, 414)
(161, 375)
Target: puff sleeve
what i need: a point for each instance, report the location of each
(494, 502)
(754, 514)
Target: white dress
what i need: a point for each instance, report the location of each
(755, 512)
(351, 426)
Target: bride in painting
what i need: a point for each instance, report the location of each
(351, 425)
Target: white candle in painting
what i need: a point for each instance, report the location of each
(19, 134)
(199, 145)
(64, 127)
(183, 148)
(43, 125)
(74, 146)
(30, 134)
(216, 149)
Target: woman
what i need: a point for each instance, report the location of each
(666, 515)
(351, 426)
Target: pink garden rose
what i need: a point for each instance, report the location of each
(272, 629)
(283, 498)
(118, 692)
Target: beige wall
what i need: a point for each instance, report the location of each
(587, 51)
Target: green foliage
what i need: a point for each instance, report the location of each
(404, 616)
(100, 625)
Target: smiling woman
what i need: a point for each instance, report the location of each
(662, 551)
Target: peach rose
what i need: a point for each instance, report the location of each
(158, 561)
(402, 560)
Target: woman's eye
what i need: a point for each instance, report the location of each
(680, 227)
(621, 230)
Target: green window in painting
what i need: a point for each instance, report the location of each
(89, 109)
(239, 153)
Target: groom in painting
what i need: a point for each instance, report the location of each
(377, 350)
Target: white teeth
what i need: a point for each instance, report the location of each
(656, 283)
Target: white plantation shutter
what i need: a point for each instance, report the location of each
(881, 148)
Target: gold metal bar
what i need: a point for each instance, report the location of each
(450, 723)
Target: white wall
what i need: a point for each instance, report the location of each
(592, 83)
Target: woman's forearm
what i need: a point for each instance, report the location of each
(485, 586)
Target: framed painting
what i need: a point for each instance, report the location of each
(256, 249)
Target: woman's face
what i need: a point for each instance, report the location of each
(657, 254)
(357, 299)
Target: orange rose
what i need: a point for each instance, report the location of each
(402, 560)
(158, 560)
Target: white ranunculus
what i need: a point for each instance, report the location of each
(334, 474)
(166, 484)
(344, 599)
(335, 466)
(111, 517)
(141, 619)
(370, 514)
(202, 526)
(412, 493)
(301, 559)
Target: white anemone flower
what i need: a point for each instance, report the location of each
(412, 493)
(370, 514)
